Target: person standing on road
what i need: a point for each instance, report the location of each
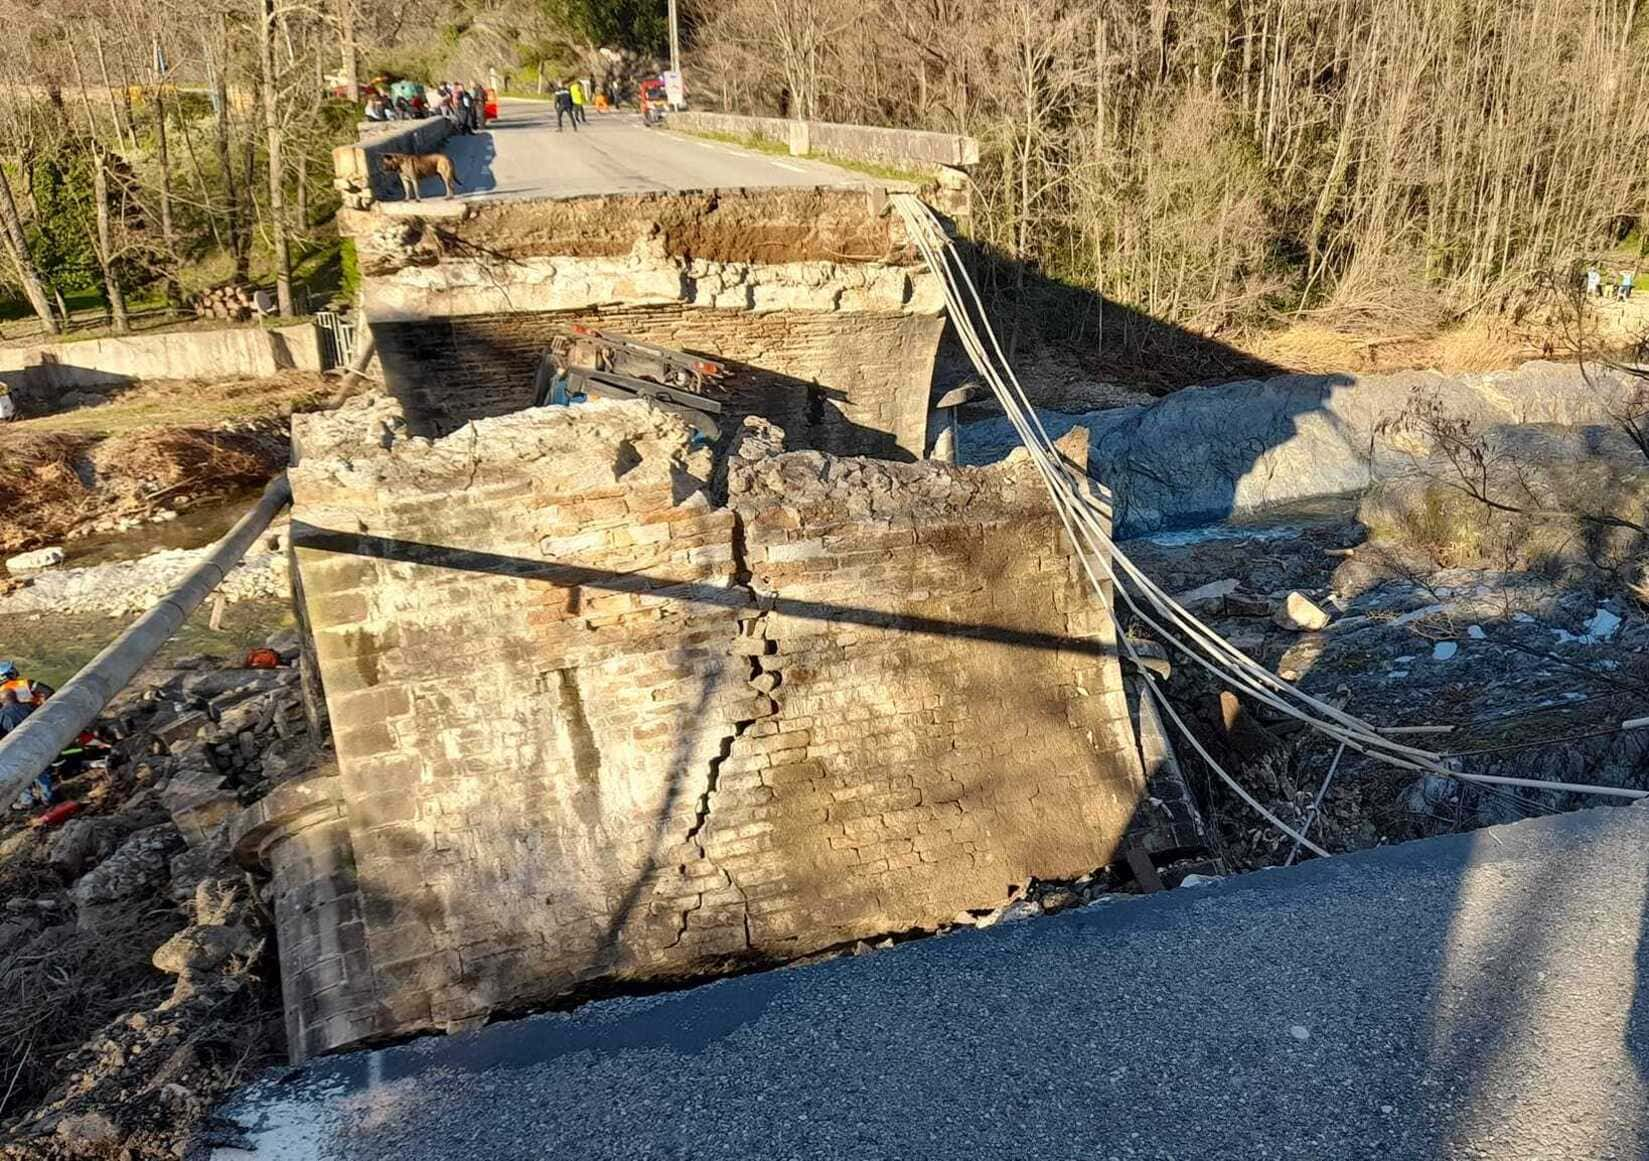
(576, 92)
(1594, 282)
(478, 106)
(1624, 291)
(564, 107)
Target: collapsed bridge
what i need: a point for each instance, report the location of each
(610, 703)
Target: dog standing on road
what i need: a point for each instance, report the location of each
(412, 168)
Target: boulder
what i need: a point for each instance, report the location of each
(1301, 614)
(1209, 598)
(72, 847)
(203, 949)
(36, 561)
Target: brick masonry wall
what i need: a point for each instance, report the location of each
(848, 383)
(593, 725)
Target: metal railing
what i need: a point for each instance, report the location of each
(337, 339)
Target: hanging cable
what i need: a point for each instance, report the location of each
(1085, 521)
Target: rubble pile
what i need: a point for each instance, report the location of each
(132, 949)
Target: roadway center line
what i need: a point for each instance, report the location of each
(791, 168)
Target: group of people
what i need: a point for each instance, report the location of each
(464, 105)
(571, 102)
(1621, 290)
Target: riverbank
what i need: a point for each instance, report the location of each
(108, 464)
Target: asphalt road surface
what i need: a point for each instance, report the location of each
(1481, 996)
(522, 155)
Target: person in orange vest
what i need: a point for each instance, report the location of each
(28, 692)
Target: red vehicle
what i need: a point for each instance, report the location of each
(341, 92)
(653, 101)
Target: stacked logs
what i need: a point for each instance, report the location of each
(232, 302)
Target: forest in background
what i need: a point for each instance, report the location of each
(1378, 167)
(152, 148)
(1381, 166)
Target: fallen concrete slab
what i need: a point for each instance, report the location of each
(1482, 995)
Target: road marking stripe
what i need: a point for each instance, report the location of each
(791, 168)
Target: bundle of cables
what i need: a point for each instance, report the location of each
(1086, 522)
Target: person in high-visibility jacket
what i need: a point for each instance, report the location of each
(576, 92)
(28, 692)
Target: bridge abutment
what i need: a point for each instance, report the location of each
(813, 297)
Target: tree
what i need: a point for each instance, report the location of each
(267, 11)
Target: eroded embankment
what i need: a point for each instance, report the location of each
(108, 464)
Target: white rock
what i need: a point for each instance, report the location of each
(1444, 650)
(1300, 1032)
(1299, 612)
(1199, 880)
(1212, 593)
(1475, 632)
(34, 561)
(1602, 626)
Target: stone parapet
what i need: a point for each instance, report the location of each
(913, 149)
(356, 170)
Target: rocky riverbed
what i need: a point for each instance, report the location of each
(133, 586)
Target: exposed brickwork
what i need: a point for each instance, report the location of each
(843, 384)
(591, 724)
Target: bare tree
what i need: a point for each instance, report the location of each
(267, 14)
(18, 247)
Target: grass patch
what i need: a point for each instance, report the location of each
(53, 647)
(162, 405)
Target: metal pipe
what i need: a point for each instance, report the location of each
(28, 750)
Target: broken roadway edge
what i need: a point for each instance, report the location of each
(1476, 995)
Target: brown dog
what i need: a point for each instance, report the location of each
(414, 167)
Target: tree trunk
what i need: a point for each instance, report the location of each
(272, 133)
(168, 233)
(301, 211)
(231, 197)
(26, 273)
(248, 185)
(105, 246)
(108, 87)
(346, 34)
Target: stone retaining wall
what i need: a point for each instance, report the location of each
(593, 724)
(41, 372)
